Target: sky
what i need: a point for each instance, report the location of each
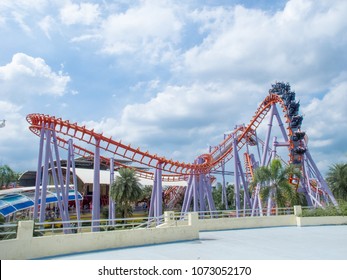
(170, 77)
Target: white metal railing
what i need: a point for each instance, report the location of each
(77, 226)
(8, 231)
(244, 213)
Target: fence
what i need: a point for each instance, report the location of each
(9, 230)
(37, 240)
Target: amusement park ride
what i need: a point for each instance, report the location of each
(243, 150)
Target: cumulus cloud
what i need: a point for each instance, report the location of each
(303, 38)
(326, 117)
(26, 75)
(13, 151)
(151, 28)
(83, 13)
(243, 51)
(218, 63)
(22, 81)
(183, 120)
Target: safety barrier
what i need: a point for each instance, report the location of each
(176, 227)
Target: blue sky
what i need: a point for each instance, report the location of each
(170, 76)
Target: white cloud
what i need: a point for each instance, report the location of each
(26, 75)
(19, 18)
(46, 24)
(24, 5)
(327, 116)
(86, 37)
(183, 120)
(83, 13)
(11, 113)
(152, 28)
(306, 37)
(219, 61)
(326, 126)
(14, 138)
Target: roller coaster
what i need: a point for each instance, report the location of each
(239, 154)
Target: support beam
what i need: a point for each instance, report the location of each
(96, 188)
(38, 174)
(72, 165)
(111, 203)
(320, 178)
(45, 176)
(237, 177)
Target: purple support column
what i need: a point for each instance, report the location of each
(247, 200)
(62, 210)
(237, 178)
(208, 191)
(111, 204)
(68, 168)
(266, 146)
(320, 178)
(257, 200)
(74, 178)
(151, 213)
(280, 123)
(258, 149)
(156, 207)
(224, 188)
(202, 192)
(45, 176)
(38, 174)
(305, 182)
(159, 194)
(60, 176)
(195, 193)
(187, 196)
(96, 188)
(273, 156)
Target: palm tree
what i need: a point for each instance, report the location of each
(217, 196)
(337, 180)
(275, 186)
(125, 190)
(146, 195)
(7, 176)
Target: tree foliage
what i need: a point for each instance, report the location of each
(125, 190)
(337, 180)
(7, 176)
(217, 196)
(275, 183)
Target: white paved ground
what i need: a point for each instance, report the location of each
(281, 243)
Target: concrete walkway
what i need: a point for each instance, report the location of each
(280, 243)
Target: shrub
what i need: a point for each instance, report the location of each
(331, 210)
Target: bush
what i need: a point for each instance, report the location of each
(331, 210)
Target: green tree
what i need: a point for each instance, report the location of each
(146, 195)
(7, 176)
(217, 196)
(337, 180)
(275, 184)
(125, 190)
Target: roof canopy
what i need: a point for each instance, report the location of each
(16, 199)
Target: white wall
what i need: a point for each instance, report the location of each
(25, 246)
(319, 221)
(247, 222)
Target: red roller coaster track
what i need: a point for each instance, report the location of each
(176, 170)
